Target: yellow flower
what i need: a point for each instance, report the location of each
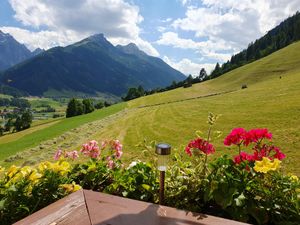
(61, 167)
(266, 165)
(12, 171)
(44, 166)
(294, 178)
(71, 187)
(34, 176)
(25, 171)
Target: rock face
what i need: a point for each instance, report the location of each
(90, 66)
(11, 51)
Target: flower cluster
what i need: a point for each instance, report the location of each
(59, 153)
(116, 152)
(239, 137)
(15, 174)
(201, 145)
(117, 146)
(61, 167)
(91, 149)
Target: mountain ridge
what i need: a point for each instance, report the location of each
(91, 65)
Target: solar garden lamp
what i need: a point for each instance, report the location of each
(163, 151)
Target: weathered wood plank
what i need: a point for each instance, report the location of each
(112, 210)
(70, 210)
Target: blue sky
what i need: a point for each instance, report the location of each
(187, 34)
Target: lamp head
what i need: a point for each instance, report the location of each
(163, 150)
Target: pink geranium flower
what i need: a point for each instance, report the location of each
(91, 149)
(58, 154)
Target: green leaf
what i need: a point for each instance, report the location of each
(240, 200)
(2, 203)
(146, 187)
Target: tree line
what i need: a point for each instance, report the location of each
(16, 102)
(76, 107)
(134, 92)
(17, 122)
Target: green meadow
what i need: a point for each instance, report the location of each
(18, 143)
(270, 101)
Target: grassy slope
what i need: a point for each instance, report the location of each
(34, 138)
(268, 102)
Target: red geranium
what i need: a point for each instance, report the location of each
(236, 137)
(257, 135)
(244, 156)
(200, 144)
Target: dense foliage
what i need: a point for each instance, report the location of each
(284, 34)
(16, 102)
(7, 90)
(248, 187)
(76, 107)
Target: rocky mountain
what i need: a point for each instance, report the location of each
(37, 51)
(11, 51)
(90, 66)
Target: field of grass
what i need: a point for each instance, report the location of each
(31, 139)
(270, 101)
(37, 103)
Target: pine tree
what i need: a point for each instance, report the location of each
(202, 74)
(88, 105)
(18, 124)
(26, 120)
(72, 108)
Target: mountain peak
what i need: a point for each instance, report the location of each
(131, 49)
(5, 35)
(98, 38)
(37, 51)
(11, 51)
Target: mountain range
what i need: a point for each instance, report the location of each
(90, 66)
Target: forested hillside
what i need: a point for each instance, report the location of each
(281, 36)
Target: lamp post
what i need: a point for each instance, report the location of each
(163, 151)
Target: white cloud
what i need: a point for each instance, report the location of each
(209, 48)
(161, 29)
(187, 67)
(65, 21)
(42, 39)
(184, 2)
(235, 22)
(226, 26)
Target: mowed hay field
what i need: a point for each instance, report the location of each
(271, 101)
(43, 139)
